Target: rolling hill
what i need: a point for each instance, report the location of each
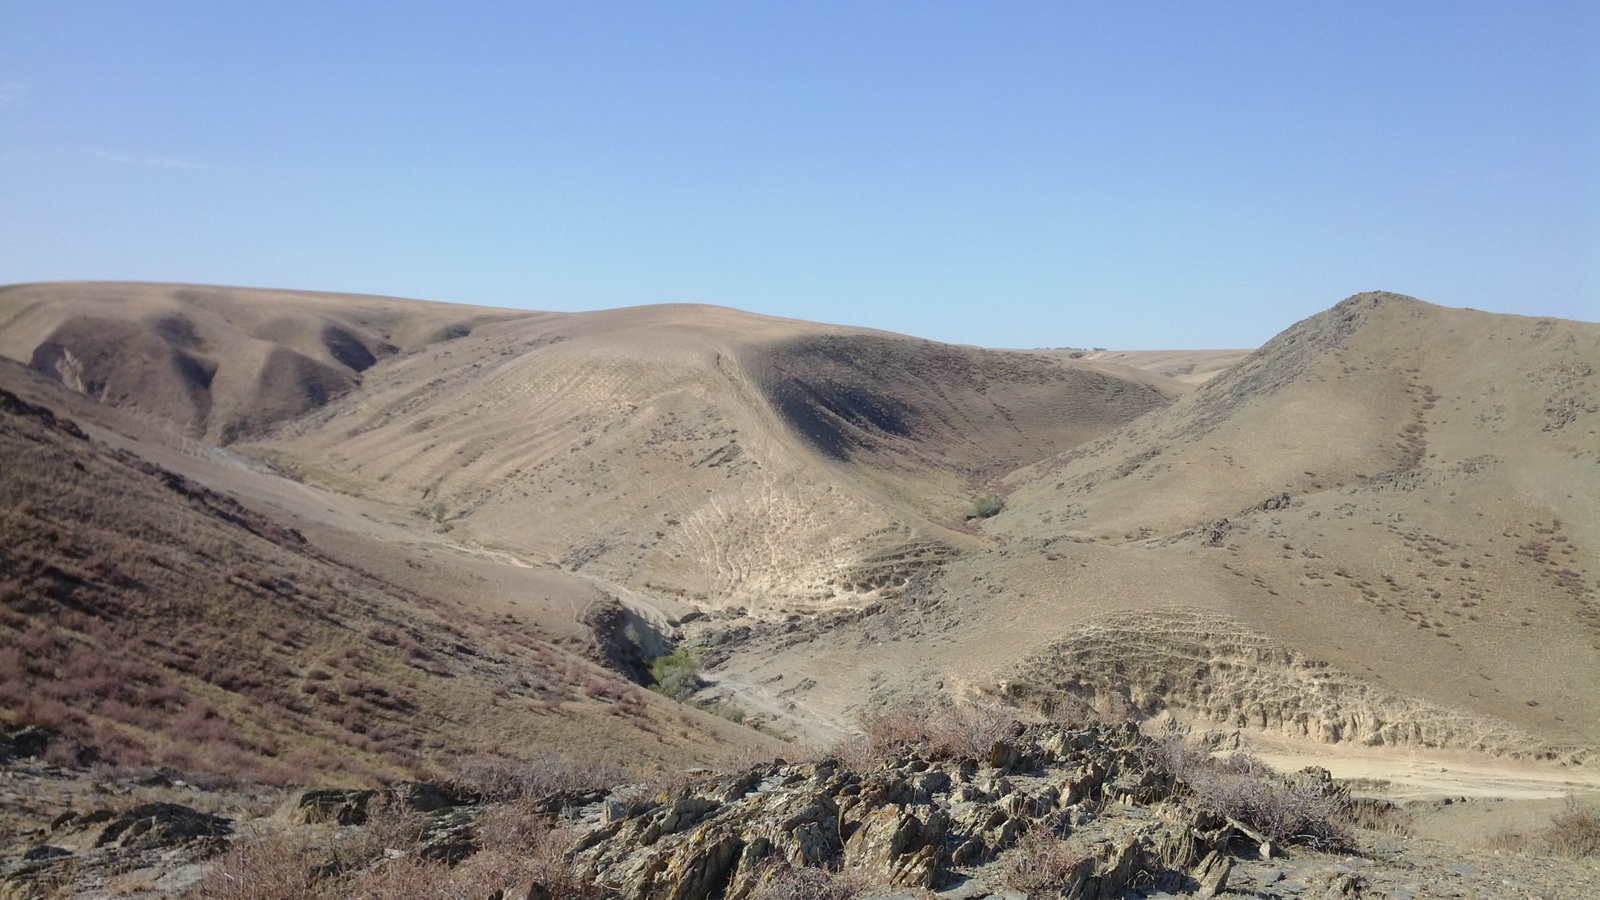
(1378, 530)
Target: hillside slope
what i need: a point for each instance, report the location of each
(705, 454)
(1403, 491)
(216, 363)
(154, 621)
(1379, 529)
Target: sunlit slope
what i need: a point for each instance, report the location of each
(1407, 492)
(212, 362)
(703, 453)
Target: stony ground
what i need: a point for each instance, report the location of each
(918, 822)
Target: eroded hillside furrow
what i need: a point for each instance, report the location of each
(1198, 663)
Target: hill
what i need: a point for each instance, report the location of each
(150, 620)
(1376, 531)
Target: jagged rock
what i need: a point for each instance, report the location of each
(907, 822)
(349, 807)
(699, 874)
(1002, 755)
(1117, 872)
(447, 836)
(331, 805)
(1212, 874)
(422, 796)
(23, 742)
(159, 825)
(892, 847)
(527, 890)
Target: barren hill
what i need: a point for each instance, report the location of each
(693, 452)
(151, 620)
(1377, 530)
(1381, 528)
(215, 363)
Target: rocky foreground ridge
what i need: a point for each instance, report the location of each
(1044, 811)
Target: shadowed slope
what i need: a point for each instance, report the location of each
(154, 621)
(918, 406)
(703, 453)
(217, 363)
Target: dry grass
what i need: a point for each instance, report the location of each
(938, 730)
(518, 845)
(497, 778)
(808, 884)
(1574, 831)
(1041, 864)
(1303, 808)
(152, 622)
(281, 865)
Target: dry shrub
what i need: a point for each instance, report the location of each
(1507, 840)
(1069, 711)
(1041, 864)
(1306, 807)
(391, 825)
(1574, 831)
(808, 884)
(277, 866)
(1372, 814)
(1302, 808)
(497, 778)
(378, 860)
(939, 731)
(520, 844)
(1172, 751)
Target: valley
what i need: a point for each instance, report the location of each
(291, 537)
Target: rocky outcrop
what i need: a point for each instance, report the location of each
(911, 822)
(106, 840)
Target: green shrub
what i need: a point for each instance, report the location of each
(676, 675)
(984, 507)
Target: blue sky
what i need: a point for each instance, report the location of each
(1130, 175)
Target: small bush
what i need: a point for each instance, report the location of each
(1042, 864)
(1303, 808)
(807, 884)
(676, 675)
(518, 843)
(390, 825)
(1306, 807)
(1575, 831)
(985, 507)
(496, 778)
(940, 731)
(281, 866)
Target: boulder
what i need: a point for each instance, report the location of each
(155, 826)
(331, 806)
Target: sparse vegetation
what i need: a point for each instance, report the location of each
(517, 844)
(1575, 830)
(1042, 864)
(1304, 808)
(939, 729)
(498, 779)
(807, 884)
(137, 607)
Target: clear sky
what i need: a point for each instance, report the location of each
(1119, 174)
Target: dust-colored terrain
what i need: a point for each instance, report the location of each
(1373, 539)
